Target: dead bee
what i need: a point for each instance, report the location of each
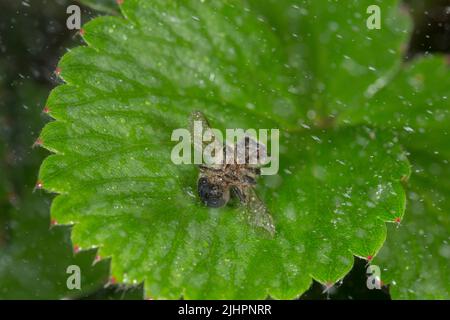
(219, 181)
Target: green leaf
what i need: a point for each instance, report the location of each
(33, 257)
(139, 79)
(118, 292)
(34, 262)
(333, 58)
(415, 257)
(416, 103)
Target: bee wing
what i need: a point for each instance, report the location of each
(199, 126)
(252, 151)
(258, 214)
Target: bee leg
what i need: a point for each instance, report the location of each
(249, 180)
(238, 193)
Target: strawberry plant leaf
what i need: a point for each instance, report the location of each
(416, 103)
(329, 47)
(139, 78)
(414, 260)
(34, 257)
(118, 292)
(34, 261)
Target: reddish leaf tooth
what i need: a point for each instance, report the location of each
(39, 185)
(37, 143)
(328, 287)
